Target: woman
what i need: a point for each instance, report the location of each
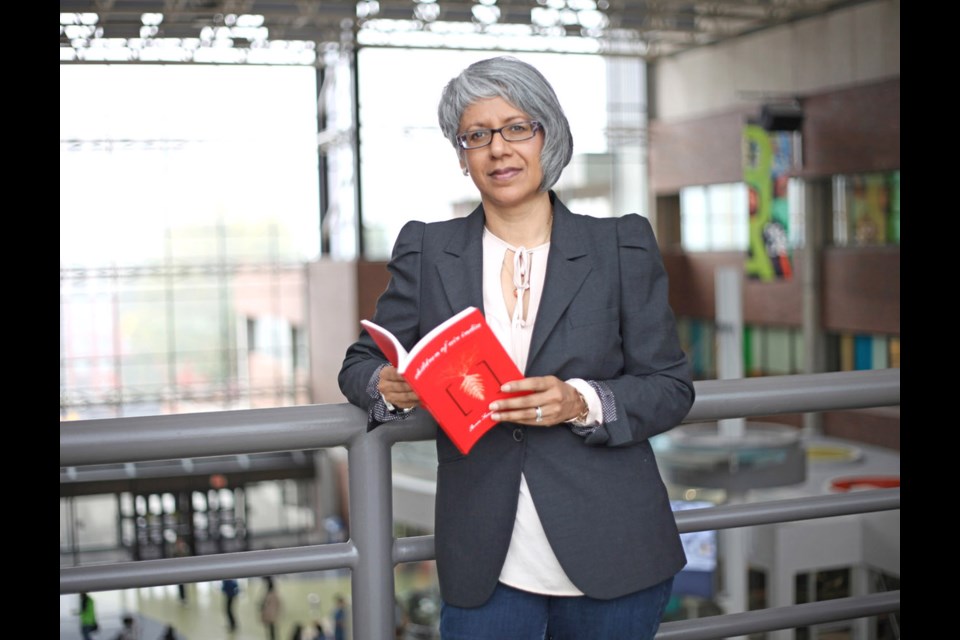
(557, 523)
(88, 616)
(270, 608)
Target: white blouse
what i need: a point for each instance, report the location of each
(530, 564)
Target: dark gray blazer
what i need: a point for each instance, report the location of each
(603, 317)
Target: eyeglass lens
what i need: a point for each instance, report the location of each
(513, 132)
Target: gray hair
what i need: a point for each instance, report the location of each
(524, 87)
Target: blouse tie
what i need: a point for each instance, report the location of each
(521, 283)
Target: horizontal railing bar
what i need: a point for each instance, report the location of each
(237, 564)
(189, 435)
(800, 615)
(772, 395)
(168, 437)
(788, 510)
(726, 516)
(417, 548)
(413, 549)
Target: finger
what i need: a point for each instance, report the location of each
(390, 373)
(527, 415)
(391, 386)
(404, 400)
(521, 404)
(538, 414)
(537, 383)
(402, 394)
(391, 381)
(395, 389)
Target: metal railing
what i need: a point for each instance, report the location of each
(371, 552)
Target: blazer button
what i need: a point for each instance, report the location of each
(518, 434)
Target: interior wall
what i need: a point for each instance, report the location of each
(860, 289)
(334, 325)
(855, 45)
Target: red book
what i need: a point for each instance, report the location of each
(457, 370)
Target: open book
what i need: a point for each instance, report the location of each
(456, 370)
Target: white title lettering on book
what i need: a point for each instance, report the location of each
(486, 414)
(443, 349)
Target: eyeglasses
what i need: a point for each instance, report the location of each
(513, 132)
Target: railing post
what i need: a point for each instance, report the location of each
(371, 529)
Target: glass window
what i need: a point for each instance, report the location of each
(188, 202)
(714, 217)
(694, 219)
(866, 209)
(88, 522)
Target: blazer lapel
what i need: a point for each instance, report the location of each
(567, 268)
(460, 267)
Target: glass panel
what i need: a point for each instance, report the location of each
(894, 352)
(846, 347)
(894, 231)
(841, 223)
(165, 204)
(714, 217)
(880, 355)
(832, 584)
(797, 359)
(268, 514)
(96, 518)
(757, 596)
(694, 219)
(869, 209)
(866, 209)
(720, 218)
(779, 356)
(797, 207)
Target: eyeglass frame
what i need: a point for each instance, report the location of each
(535, 127)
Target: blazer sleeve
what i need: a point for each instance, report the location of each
(655, 391)
(397, 310)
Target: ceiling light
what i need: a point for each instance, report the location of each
(485, 14)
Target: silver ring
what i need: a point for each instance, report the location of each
(539, 414)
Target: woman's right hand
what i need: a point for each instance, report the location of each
(395, 389)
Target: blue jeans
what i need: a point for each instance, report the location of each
(511, 614)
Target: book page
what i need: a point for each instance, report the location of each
(428, 340)
(388, 343)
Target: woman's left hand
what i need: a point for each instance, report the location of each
(551, 401)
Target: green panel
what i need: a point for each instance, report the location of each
(798, 342)
(708, 342)
(881, 353)
(747, 350)
(779, 358)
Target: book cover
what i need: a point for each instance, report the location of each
(457, 370)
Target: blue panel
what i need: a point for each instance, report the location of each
(862, 352)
